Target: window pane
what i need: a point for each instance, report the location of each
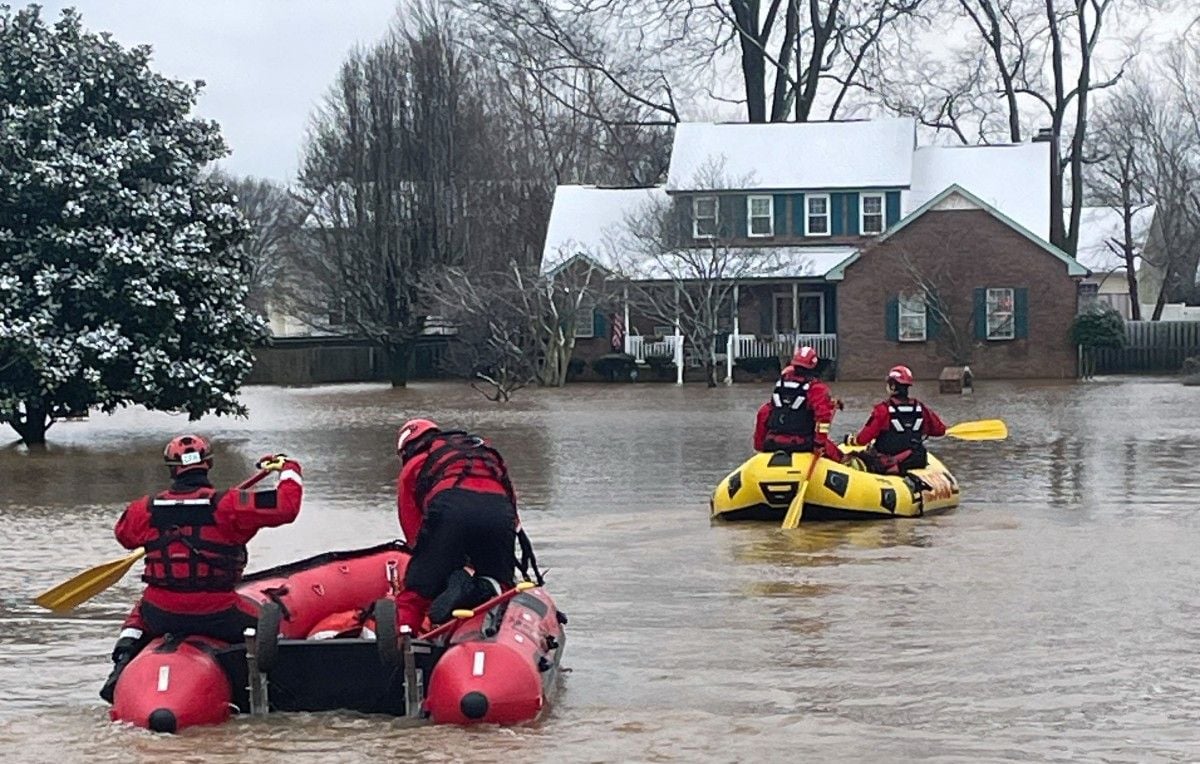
(760, 206)
(818, 225)
(817, 205)
(872, 205)
(760, 225)
(706, 206)
(706, 227)
(810, 314)
(1000, 324)
(584, 327)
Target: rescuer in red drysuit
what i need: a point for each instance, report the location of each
(798, 416)
(457, 507)
(195, 539)
(898, 426)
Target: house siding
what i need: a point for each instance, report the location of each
(969, 249)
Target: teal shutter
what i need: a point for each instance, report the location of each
(891, 319)
(892, 202)
(798, 214)
(781, 217)
(981, 313)
(932, 325)
(599, 324)
(1021, 313)
(852, 215)
(737, 209)
(837, 209)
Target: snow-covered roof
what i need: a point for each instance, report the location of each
(792, 155)
(1100, 226)
(585, 219)
(1015, 179)
(591, 222)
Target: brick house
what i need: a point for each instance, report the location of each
(822, 202)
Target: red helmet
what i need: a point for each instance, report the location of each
(410, 431)
(805, 357)
(901, 375)
(188, 452)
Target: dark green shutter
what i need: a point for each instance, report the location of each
(893, 208)
(737, 214)
(599, 324)
(852, 215)
(780, 204)
(891, 319)
(837, 209)
(981, 313)
(1021, 313)
(798, 214)
(932, 325)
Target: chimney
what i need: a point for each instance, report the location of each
(1044, 135)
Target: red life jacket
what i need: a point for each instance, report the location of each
(453, 458)
(185, 556)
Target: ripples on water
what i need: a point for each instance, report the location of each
(1051, 618)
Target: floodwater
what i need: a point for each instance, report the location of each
(1052, 617)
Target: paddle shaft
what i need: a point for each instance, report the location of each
(452, 625)
(796, 509)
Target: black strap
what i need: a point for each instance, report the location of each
(528, 559)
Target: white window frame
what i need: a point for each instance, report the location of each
(862, 214)
(795, 314)
(808, 215)
(750, 216)
(999, 316)
(905, 309)
(715, 217)
(585, 330)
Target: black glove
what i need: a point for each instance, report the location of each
(848, 440)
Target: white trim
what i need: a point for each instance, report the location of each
(750, 216)
(716, 217)
(900, 313)
(585, 330)
(291, 475)
(1012, 314)
(477, 664)
(862, 213)
(828, 215)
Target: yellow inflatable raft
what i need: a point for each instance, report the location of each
(763, 487)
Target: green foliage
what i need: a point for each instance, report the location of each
(1098, 327)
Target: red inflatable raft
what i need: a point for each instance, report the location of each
(495, 664)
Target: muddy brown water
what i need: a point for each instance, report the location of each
(1053, 617)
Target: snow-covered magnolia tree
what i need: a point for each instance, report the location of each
(120, 281)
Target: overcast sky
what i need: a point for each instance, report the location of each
(266, 62)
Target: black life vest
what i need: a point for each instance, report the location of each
(790, 414)
(905, 419)
(184, 557)
(456, 456)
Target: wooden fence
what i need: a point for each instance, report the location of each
(1152, 346)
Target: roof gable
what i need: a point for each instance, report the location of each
(958, 198)
(786, 156)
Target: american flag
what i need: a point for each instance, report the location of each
(617, 337)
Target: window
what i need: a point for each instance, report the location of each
(784, 314)
(704, 216)
(816, 222)
(912, 320)
(1001, 324)
(760, 214)
(811, 312)
(585, 326)
(871, 214)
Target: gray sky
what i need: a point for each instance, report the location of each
(266, 62)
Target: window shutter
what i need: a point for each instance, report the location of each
(981, 313)
(932, 324)
(892, 203)
(891, 320)
(599, 324)
(737, 209)
(780, 204)
(798, 213)
(1021, 313)
(852, 203)
(837, 209)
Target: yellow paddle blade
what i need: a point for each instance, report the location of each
(88, 584)
(982, 429)
(791, 520)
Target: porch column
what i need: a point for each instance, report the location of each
(678, 342)
(795, 316)
(731, 345)
(625, 299)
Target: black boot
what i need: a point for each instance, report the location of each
(462, 591)
(123, 652)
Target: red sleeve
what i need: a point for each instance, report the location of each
(932, 425)
(876, 424)
(248, 511)
(133, 527)
(760, 426)
(411, 515)
(822, 409)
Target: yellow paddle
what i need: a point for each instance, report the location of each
(981, 429)
(796, 509)
(82, 587)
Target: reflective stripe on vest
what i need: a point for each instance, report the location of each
(790, 394)
(183, 557)
(906, 417)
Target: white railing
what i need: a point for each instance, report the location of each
(637, 346)
(782, 346)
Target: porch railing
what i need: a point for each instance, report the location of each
(637, 346)
(781, 346)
